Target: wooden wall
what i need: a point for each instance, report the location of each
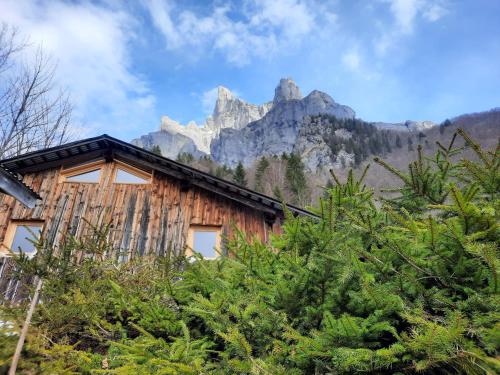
(146, 219)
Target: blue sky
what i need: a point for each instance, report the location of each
(127, 63)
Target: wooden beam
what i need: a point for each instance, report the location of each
(77, 159)
(11, 186)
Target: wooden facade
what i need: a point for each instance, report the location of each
(152, 218)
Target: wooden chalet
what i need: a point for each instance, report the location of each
(153, 205)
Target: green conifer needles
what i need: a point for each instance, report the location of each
(406, 286)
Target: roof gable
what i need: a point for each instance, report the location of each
(109, 148)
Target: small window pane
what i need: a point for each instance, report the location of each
(92, 176)
(23, 238)
(204, 242)
(124, 177)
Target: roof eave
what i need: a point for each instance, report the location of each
(15, 188)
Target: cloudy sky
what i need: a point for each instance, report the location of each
(127, 63)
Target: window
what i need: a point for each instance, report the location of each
(126, 174)
(22, 236)
(92, 176)
(86, 173)
(204, 240)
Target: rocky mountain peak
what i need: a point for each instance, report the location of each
(168, 124)
(287, 89)
(224, 98)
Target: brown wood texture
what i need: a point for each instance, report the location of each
(146, 219)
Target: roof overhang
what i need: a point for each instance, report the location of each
(107, 147)
(13, 186)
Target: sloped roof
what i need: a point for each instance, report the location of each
(11, 184)
(109, 147)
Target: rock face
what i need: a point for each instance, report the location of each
(229, 112)
(408, 125)
(171, 144)
(277, 131)
(286, 90)
(232, 112)
(240, 131)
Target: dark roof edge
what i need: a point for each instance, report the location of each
(10, 184)
(186, 169)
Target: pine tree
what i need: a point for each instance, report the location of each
(262, 166)
(156, 150)
(223, 172)
(365, 287)
(296, 179)
(239, 175)
(185, 158)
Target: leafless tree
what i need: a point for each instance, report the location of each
(34, 114)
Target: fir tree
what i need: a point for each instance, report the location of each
(156, 150)
(262, 166)
(185, 158)
(295, 179)
(239, 175)
(223, 172)
(407, 285)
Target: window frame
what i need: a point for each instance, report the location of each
(81, 169)
(133, 171)
(204, 228)
(10, 235)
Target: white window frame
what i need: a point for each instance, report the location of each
(81, 169)
(148, 177)
(11, 233)
(204, 228)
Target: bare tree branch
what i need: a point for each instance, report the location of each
(33, 114)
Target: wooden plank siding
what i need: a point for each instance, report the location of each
(146, 219)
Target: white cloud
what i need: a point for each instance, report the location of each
(435, 12)
(262, 28)
(406, 14)
(91, 46)
(351, 60)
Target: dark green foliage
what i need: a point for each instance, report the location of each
(405, 286)
(296, 180)
(156, 150)
(224, 172)
(185, 158)
(363, 138)
(262, 166)
(239, 175)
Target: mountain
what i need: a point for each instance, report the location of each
(408, 125)
(240, 131)
(277, 131)
(229, 112)
(325, 134)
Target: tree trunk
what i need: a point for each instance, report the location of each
(26, 324)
